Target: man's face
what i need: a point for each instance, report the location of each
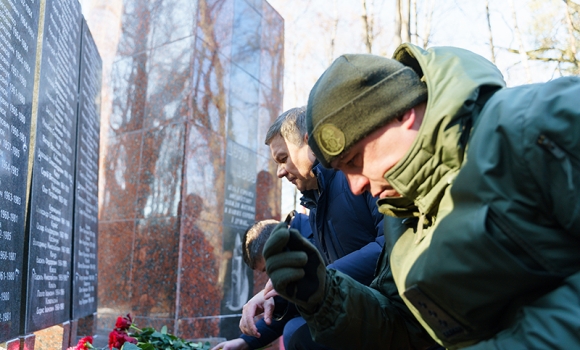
(366, 163)
(294, 163)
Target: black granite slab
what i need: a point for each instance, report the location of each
(18, 37)
(239, 214)
(51, 209)
(84, 293)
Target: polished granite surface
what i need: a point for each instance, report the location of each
(190, 82)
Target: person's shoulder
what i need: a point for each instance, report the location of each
(301, 223)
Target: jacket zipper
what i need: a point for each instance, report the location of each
(561, 155)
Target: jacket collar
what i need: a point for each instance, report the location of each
(455, 100)
(323, 176)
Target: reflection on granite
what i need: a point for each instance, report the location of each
(215, 24)
(246, 38)
(195, 328)
(154, 272)
(115, 262)
(244, 108)
(121, 177)
(159, 190)
(265, 186)
(189, 78)
(148, 25)
(271, 74)
(272, 52)
(169, 83)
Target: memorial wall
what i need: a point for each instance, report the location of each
(194, 87)
(50, 82)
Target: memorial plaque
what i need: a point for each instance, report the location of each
(239, 214)
(18, 38)
(51, 209)
(84, 301)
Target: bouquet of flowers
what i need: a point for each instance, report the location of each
(125, 336)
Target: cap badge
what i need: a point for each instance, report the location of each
(331, 139)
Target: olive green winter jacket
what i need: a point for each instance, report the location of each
(491, 187)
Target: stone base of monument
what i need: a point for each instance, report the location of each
(56, 337)
(21, 343)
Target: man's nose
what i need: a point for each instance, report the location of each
(281, 171)
(358, 184)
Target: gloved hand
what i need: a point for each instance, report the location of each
(295, 267)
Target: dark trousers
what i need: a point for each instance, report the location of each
(302, 340)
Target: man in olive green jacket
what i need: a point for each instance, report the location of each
(488, 178)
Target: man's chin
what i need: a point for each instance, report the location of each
(300, 187)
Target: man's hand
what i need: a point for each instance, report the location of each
(295, 267)
(255, 307)
(234, 344)
(269, 291)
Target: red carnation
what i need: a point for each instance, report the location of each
(84, 343)
(123, 323)
(118, 338)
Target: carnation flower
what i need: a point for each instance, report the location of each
(85, 343)
(126, 336)
(123, 323)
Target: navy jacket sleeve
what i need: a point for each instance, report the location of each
(361, 264)
(269, 333)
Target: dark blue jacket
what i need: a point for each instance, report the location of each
(346, 229)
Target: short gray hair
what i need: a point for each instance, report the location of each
(254, 239)
(291, 125)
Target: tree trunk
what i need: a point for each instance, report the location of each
(415, 33)
(491, 46)
(571, 39)
(334, 31)
(406, 21)
(367, 27)
(522, 51)
(402, 22)
(428, 21)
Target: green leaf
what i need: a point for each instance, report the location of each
(156, 335)
(164, 330)
(129, 346)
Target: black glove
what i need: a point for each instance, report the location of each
(295, 267)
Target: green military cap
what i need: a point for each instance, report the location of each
(357, 94)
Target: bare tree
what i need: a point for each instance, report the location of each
(367, 27)
(430, 6)
(402, 22)
(556, 34)
(334, 30)
(415, 23)
(522, 51)
(491, 46)
(571, 51)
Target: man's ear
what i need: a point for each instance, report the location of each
(306, 138)
(409, 119)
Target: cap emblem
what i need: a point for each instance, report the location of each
(331, 139)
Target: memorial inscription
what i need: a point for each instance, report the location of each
(84, 301)
(51, 209)
(18, 37)
(239, 214)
